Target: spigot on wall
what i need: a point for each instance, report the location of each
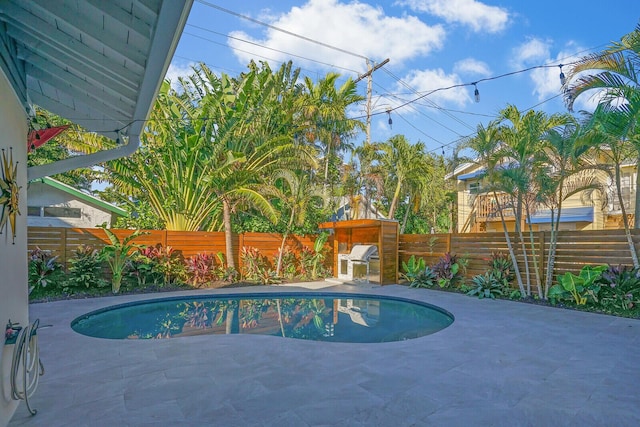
(11, 333)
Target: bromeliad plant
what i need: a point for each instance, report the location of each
(486, 285)
(116, 255)
(582, 288)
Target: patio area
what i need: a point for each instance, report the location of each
(501, 363)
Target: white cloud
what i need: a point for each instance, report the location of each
(477, 15)
(534, 51)
(472, 67)
(425, 81)
(355, 27)
(174, 71)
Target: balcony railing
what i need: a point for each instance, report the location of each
(485, 207)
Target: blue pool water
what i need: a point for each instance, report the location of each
(318, 316)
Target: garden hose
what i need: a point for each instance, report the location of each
(26, 355)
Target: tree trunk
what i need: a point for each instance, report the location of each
(533, 253)
(394, 202)
(625, 220)
(512, 253)
(228, 238)
(636, 216)
(523, 243)
(406, 217)
(284, 239)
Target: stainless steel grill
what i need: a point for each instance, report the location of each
(355, 265)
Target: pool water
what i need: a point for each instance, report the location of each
(319, 317)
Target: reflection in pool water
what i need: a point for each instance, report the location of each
(319, 317)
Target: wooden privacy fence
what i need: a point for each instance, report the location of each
(574, 249)
(64, 241)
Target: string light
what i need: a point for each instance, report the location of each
(390, 121)
(476, 93)
(563, 79)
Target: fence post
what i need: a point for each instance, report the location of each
(541, 269)
(239, 250)
(448, 240)
(63, 239)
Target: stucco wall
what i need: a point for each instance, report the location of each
(44, 195)
(13, 256)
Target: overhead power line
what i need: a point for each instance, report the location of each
(273, 27)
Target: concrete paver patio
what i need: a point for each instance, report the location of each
(501, 363)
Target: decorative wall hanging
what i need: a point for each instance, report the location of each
(9, 193)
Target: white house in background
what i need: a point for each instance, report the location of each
(98, 64)
(51, 203)
(355, 208)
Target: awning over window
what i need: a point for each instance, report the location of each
(467, 176)
(581, 214)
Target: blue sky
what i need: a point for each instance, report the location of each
(431, 44)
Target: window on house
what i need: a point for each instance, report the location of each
(627, 188)
(62, 212)
(34, 211)
(54, 212)
(474, 188)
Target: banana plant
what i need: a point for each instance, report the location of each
(116, 255)
(580, 287)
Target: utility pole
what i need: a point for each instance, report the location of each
(369, 76)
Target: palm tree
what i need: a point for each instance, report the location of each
(255, 124)
(323, 109)
(604, 130)
(613, 74)
(521, 136)
(486, 143)
(295, 190)
(564, 173)
(406, 167)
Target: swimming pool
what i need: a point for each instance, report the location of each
(312, 316)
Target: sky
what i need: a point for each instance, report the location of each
(431, 45)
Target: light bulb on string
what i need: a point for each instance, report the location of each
(563, 79)
(476, 93)
(390, 121)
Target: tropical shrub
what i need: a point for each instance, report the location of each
(201, 269)
(426, 278)
(253, 263)
(486, 285)
(168, 264)
(580, 289)
(501, 267)
(289, 262)
(224, 272)
(116, 254)
(412, 268)
(142, 268)
(44, 269)
(86, 269)
(307, 261)
(319, 256)
(620, 290)
(450, 269)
